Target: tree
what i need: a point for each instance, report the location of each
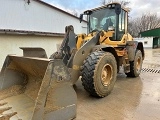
(73, 12)
(145, 22)
(124, 3)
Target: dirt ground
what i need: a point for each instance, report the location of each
(131, 98)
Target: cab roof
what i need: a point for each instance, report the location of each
(105, 6)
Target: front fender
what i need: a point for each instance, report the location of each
(107, 48)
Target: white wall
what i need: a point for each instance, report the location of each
(147, 41)
(9, 44)
(18, 15)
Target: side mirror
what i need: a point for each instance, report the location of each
(118, 9)
(81, 18)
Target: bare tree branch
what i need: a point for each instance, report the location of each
(145, 22)
(124, 3)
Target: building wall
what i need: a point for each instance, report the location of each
(19, 15)
(36, 16)
(159, 42)
(147, 41)
(156, 42)
(9, 44)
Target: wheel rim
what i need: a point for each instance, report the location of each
(138, 64)
(106, 74)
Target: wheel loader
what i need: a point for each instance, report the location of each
(33, 87)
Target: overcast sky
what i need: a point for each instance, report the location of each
(138, 7)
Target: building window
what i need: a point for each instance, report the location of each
(145, 42)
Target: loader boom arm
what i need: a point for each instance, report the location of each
(68, 45)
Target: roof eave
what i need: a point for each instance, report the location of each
(24, 32)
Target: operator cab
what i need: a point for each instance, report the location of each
(110, 17)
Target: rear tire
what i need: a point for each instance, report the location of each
(136, 65)
(99, 73)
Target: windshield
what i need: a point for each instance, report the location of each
(102, 19)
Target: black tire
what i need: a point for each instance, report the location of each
(96, 82)
(136, 65)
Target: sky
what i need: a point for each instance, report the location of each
(138, 7)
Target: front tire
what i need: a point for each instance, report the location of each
(136, 65)
(99, 73)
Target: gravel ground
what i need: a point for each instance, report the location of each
(131, 98)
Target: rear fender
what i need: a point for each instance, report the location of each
(132, 46)
(140, 47)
